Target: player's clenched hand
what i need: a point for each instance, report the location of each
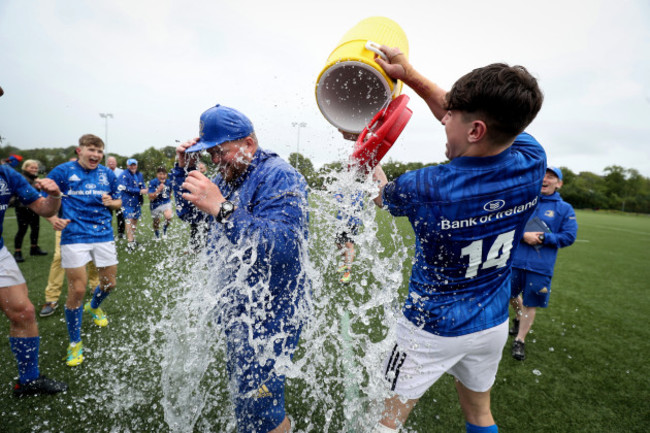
(532, 238)
(397, 64)
(182, 157)
(203, 193)
(49, 186)
(58, 224)
(107, 200)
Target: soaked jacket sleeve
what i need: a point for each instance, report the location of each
(276, 216)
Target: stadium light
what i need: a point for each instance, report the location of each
(298, 125)
(105, 116)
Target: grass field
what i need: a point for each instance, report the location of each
(154, 370)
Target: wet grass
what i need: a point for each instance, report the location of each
(586, 371)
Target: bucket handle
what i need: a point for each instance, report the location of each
(374, 47)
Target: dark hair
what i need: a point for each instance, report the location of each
(161, 169)
(507, 98)
(90, 140)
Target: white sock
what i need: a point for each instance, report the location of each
(380, 428)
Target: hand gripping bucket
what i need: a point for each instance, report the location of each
(352, 87)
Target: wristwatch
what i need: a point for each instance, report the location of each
(541, 237)
(227, 208)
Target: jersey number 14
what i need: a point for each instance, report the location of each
(497, 256)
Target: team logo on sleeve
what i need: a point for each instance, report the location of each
(4, 188)
(494, 205)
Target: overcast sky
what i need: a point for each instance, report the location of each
(157, 65)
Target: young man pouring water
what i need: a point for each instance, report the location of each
(256, 208)
(467, 216)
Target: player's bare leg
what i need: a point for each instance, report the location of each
(527, 319)
(396, 411)
(475, 406)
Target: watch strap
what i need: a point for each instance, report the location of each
(224, 213)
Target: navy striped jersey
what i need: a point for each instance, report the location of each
(90, 220)
(13, 183)
(467, 216)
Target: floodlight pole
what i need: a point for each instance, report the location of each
(105, 116)
(298, 125)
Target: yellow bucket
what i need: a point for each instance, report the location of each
(352, 87)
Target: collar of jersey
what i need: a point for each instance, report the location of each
(481, 161)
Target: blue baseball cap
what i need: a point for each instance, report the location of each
(219, 125)
(131, 161)
(555, 170)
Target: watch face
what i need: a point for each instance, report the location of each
(227, 206)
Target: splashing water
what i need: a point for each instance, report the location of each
(161, 364)
(334, 381)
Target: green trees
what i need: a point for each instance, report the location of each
(619, 188)
(305, 167)
(395, 169)
(150, 160)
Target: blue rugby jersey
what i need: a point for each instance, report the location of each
(13, 183)
(165, 195)
(467, 215)
(90, 220)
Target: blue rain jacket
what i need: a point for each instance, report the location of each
(266, 234)
(561, 220)
(131, 185)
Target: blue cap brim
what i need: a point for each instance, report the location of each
(201, 145)
(555, 171)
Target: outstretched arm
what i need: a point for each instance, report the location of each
(399, 68)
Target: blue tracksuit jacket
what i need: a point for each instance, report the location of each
(561, 220)
(266, 235)
(130, 185)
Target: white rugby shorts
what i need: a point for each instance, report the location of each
(10, 274)
(159, 211)
(103, 254)
(420, 358)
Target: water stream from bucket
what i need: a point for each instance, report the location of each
(334, 382)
